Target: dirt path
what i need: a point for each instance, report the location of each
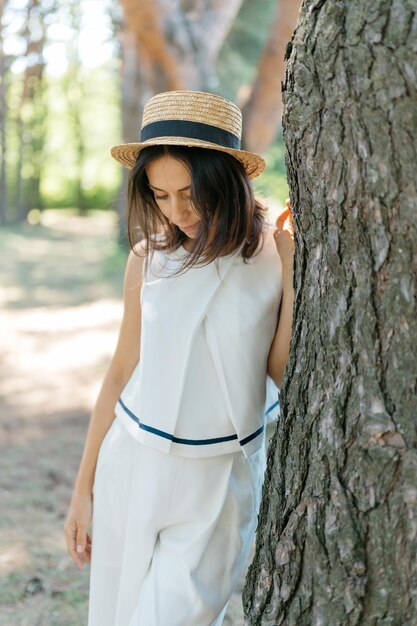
(60, 313)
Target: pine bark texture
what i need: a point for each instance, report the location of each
(337, 532)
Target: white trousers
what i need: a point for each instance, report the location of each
(171, 535)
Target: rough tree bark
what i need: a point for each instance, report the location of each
(337, 535)
(263, 109)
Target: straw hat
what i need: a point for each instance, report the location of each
(191, 118)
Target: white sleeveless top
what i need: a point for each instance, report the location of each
(200, 386)
(202, 381)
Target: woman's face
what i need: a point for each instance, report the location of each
(170, 182)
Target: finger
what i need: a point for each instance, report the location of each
(286, 229)
(89, 545)
(76, 558)
(284, 217)
(282, 226)
(86, 555)
(81, 539)
(70, 534)
(284, 213)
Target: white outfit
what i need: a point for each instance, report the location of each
(234, 307)
(171, 535)
(179, 473)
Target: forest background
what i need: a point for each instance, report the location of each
(62, 98)
(73, 81)
(338, 519)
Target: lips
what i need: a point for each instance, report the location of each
(188, 227)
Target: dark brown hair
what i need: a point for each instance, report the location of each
(221, 194)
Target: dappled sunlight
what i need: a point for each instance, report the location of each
(14, 555)
(54, 541)
(63, 261)
(63, 284)
(64, 222)
(61, 309)
(62, 270)
(57, 353)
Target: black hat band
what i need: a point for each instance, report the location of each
(190, 130)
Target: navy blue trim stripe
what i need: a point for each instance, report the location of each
(272, 407)
(188, 442)
(201, 442)
(192, 130)
(252, 436)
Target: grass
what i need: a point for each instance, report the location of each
(60, 312)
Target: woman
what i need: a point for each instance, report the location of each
(174, 457)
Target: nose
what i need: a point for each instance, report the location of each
(180, 210)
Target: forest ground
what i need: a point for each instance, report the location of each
(60, 310)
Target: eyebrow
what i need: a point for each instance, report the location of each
(157, 188)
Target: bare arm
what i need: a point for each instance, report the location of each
(280, 347)
(118, 373)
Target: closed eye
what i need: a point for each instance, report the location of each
(165, 197)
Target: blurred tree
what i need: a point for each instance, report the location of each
(133, 94)
(177, 46)
(3, 118)
(337, 531)
(166, 46)
(75, 97)
(263, 109)
(45, 113)
(31, 114)
(178, 43)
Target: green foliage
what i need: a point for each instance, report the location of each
(236, 69)
(273, 182)
(114, 261)
(11, 588)
(63, 176)
(238, 59)
(78, 119)
(98, 174)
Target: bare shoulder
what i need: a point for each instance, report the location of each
(140, 248)
(134, 265)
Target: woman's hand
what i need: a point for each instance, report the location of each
(284, 236)
(75, 528)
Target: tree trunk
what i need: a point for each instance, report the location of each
(208, 23)
(74, 84)
(178, 44)
(166, 46)
(134, 95)
(37, 128)
(262, 112)
(30, 122)
(3, 121)
(337, 535)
